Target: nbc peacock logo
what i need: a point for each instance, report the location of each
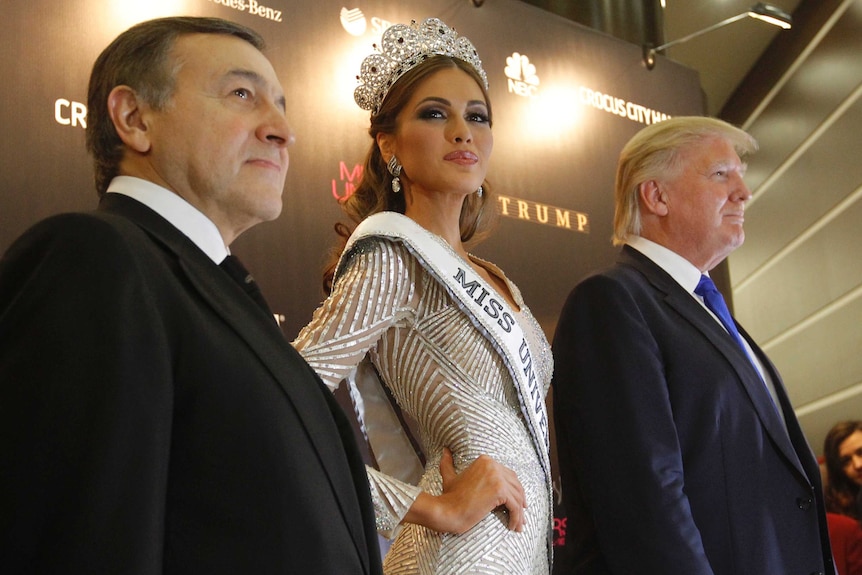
(521, 75)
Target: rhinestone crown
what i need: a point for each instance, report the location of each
(403, 47)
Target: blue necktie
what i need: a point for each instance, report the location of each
(715, 302)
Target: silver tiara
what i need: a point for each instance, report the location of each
(403, 47)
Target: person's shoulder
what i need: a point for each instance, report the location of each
(71, 253)
(617, 274)
(842, 522)
(381, 251)
(617, 286)
(71, 241)
(78, 228)
(377, 260)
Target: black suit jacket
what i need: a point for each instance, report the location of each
(673, 457)
(153, 419)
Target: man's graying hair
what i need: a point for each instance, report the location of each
(140, 59)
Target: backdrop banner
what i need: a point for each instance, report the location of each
(565, 99)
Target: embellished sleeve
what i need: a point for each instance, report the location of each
(374, 291)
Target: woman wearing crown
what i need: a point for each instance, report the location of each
(431, 338)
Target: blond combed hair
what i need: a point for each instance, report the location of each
(654, 154)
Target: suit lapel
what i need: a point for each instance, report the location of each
(804, 456)
(283, 362)
(684, 304)
(264, 337)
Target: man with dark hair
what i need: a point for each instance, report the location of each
(153, 418)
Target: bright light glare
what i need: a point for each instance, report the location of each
(771, 20)
(122, 14)
(551, 113)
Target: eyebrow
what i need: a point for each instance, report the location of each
(259, 81)
(728, 165)
(446, 102)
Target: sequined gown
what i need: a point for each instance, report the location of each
(446, 375)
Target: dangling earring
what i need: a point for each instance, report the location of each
(479, 192)
(395, 169)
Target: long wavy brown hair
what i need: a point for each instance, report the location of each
(841, 494)
(374, 193)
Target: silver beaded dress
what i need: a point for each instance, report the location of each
(386, 308)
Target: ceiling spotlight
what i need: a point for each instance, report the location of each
(771, 15)
(761, 11)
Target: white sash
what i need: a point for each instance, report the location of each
(489, 312)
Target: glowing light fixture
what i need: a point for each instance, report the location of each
(761, 11)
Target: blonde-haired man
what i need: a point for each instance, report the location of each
(679, 450)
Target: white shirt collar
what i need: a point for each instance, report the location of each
(688, 276)
(181, 214)
(680, 269)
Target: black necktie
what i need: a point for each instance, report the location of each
(240, 275)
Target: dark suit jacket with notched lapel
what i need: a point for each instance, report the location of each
(154, 420)
(673, 457)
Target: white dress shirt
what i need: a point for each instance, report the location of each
(181, 214)
(687, 275)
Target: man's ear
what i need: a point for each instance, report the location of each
(653, 198)
(386, 143)
(127, 113)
